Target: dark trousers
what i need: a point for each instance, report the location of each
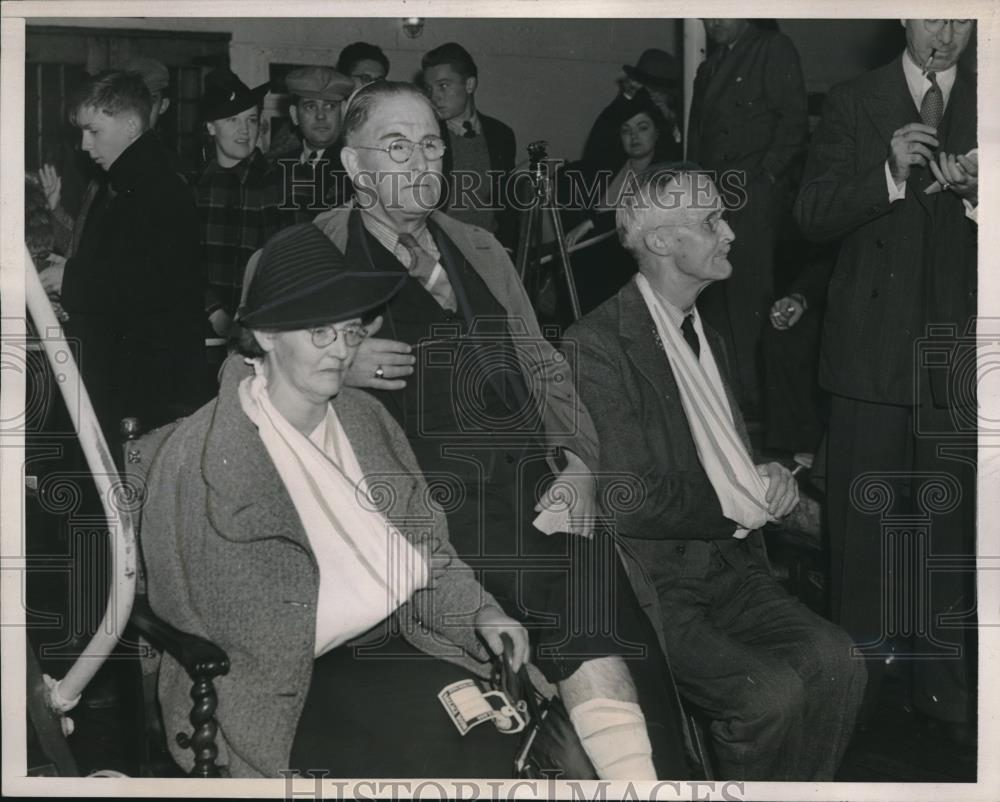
(792, 399)
(901, 490)
(570, 592)
(777, 681)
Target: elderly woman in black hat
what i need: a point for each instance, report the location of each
(238, 194)
(645, 136)
(288, 522)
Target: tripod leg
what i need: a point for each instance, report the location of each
(574, 299)
(524, 243)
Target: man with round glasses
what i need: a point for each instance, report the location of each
(491, 413)
(893, 175)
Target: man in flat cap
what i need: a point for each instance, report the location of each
(238, 194)
(312, 176)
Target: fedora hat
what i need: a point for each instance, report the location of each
(226, 95)
(300, 279)
(656, 68)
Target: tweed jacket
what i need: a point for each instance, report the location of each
(227, 558)
(650, 480)
(901, 265)
(546, 373)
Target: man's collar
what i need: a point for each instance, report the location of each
(457, 124)
(307, 149)
(916, 78)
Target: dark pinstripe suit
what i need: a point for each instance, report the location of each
(902, 266)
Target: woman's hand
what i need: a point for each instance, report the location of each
(51, 276)
(577, 233)
(492, 622)
(51, 185)
(380, 364)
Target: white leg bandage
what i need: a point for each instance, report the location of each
(615, 739)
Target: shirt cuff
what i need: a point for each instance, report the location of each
(972, 212)
(895, 193)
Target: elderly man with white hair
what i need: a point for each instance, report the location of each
(777, 681)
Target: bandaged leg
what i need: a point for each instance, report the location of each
(603, 706)
(614, 737)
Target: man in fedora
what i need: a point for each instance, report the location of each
(659, 73)
(312, 177)
(748, 115)
(238, 194)
(481, 151)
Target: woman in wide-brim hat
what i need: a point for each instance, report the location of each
(644, 137)
(287, 521)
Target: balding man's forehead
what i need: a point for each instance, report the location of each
(687, 192)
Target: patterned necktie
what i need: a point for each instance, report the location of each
(687, 329)
(932, 106)
(425, 269)
(468, 131)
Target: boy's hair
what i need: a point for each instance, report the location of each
(360, 51)
(113, 92)
(455, 56)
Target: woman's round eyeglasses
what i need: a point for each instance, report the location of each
(400, 150)
(322, 336)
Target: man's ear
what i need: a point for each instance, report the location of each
(212, 130)
(471, 84)
(293, 112)
(164, 105)
(657, 243)
(349, 158)
(134, 126)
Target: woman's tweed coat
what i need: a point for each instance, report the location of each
(227, 558)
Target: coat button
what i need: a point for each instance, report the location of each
(874, 293)
(680, 548)
(880, 243)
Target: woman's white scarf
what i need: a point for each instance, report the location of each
(741, 490)
(367, 569)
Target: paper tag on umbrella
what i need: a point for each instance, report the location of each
(468, 706)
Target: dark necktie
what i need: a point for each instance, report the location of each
(422, 266)
(468, 131)
(687, 329)
(932, 106)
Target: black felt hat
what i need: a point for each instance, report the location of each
(656, 68)
(300, 280)
(226, 95)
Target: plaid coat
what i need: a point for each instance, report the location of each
(239, 209)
